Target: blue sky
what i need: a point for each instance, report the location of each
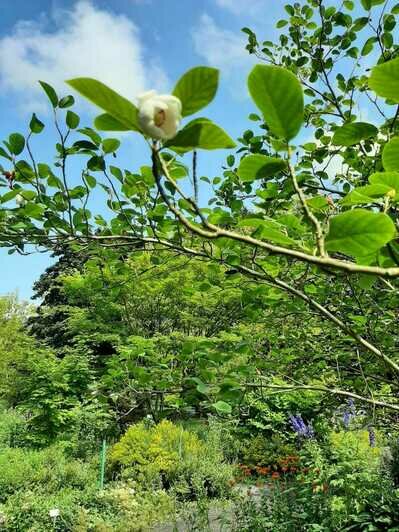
(132, 45)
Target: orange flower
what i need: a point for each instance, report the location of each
(275, 475)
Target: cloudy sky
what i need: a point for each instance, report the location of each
(132, 45)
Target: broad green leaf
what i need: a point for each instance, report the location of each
(4, 154)
(196, 88)
(109, 100)
(259, 166)
(365, 195)
(278, 94)
(390, 155)
(222, 407)
(368, 46)
(106, 122)
(317, 203)
(390, 179)
(384, 80)
(16, 143)
(72, 119)
(359, 232)
(10, 195)
(268, 230)
(93, 135)
(51, 94)
(66, 101)
(35, 125)
(28, 194)
(350, 134)
(200, 133)
(111, 145)
(368, 4)
(203, 388)
(34, 210)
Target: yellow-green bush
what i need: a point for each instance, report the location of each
(355, 445)
(168, 455)
(157, 449)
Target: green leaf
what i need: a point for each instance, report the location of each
(10, 195)
(34, 210)
(390, 179)
(359, 232)
(350, 134)
(268, 230)
(278, 94)
(222, 407)
(51, 94)
(106, 122)
(90, 180)
(35, 125)
(111, 145)
(196, 88)
(4, 154)
(317, 203)
(16, 143)
(384, 80)
(259, 166)
(72, 120)
(28, 194)
(281, 23)
(365, 195)
(390, 155)
(368, 46)
(368, 4)
(203, 388)
(67, 101)
(113, 103)
(200, 133)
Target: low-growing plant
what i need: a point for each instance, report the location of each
(167, 455)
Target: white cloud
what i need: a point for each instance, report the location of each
(241, 7)
(86, 41)
(223, 49)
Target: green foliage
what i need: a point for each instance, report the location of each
(359, 232)
(196, 88)
(172, 455)
(278, 94)
(266, 451)
(384, 80)
(116, 105)
(259, 166)
(49, 469)
(200, 133)
(350, 134)
(341, 488)
(390, 157)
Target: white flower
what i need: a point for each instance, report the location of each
(159, 114)
(54, 513)
(20, 200)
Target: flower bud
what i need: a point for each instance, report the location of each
(20, 200)
(159, 114)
